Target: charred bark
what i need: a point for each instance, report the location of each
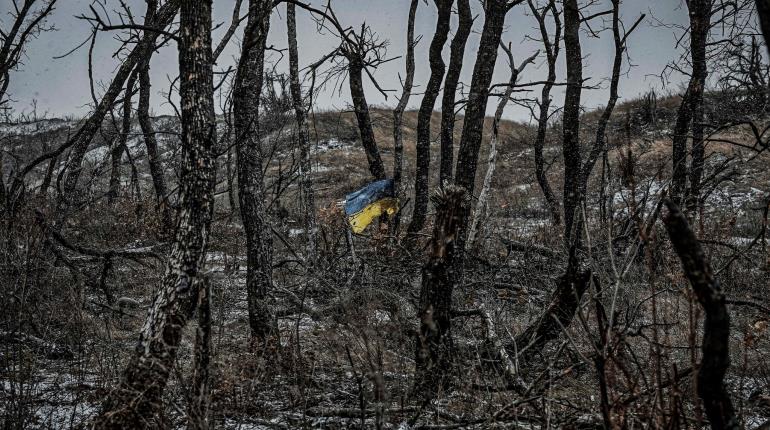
(456, 55)
(716, 328)
(136, 401)
(148, 132)
(601, 128)
(251, 193)
(433, 348)
(559, 313)
(151, 144)
(300, 117)
(364, 120)
(697, 155)
(398, 112)
(482, 203)
(763, 10)
(599, 145)
(26, 21)
(552, 53)
(475, 111)
(473, 125)
(200, 392)
(576, 280)
(119, 146)
(700, 24)
(571, 119)
(437, 67)
(49, 171)
(700, 15)
(82, 139)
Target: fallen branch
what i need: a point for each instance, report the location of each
(559, 313)
(654, 390)
(509, 367)
(131, 254)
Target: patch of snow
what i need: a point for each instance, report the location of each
(330, 145)
(34, 127)
(56, 400)
(623, 196)
(526, 226)
(381, 316)
(97, 155)
(294, 232)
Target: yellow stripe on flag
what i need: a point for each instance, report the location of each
(360, 220)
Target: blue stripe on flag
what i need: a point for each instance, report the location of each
(356, 202)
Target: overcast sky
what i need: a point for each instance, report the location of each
(60, 85)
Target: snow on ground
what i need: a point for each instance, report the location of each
(523, 227)
(294, 232)
(97, 155)
(34, 127)
(320, 168)
(730, 197)
(329, 145)
(649, 188)
(58, 399)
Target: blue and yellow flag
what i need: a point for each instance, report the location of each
(368, 203)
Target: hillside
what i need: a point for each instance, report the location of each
(347, 332)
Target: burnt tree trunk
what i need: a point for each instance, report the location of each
(116, 166)
(300, 117)
(24, 24)
(119, 147)
(398, 112)
(552, 53)
(600, 141)
(151, 144)
(251, 194)
(137, 400)
(700, 24)
(475, 111)
(136, 190)
(763, 10)
(49, 171)
(564, 303)
(575, 282)
(571, 119)
(473, 125)
(433, 346)
(702, 11)
(482, 206)
(200, 388)
(700, 15)
(697, 154)
(361, 108)
(716, 328)
(422, 163)
(601, 128)
(82, 139)
(456, 55)
(148, 132)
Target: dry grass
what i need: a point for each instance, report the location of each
(347, 328)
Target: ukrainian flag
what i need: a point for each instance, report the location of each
(368, 203)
